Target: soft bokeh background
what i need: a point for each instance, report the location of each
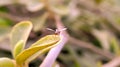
(93, 26)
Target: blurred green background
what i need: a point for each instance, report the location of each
(93, 26)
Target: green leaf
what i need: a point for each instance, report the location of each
(6, 62)
(40, 47)
(18, 48)
(20, 32)
(47, 40)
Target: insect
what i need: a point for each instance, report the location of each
(56, 31)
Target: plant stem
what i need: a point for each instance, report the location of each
(54, 52)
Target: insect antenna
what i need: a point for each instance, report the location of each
(50, 29)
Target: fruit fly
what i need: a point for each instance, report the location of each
(56, 31)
